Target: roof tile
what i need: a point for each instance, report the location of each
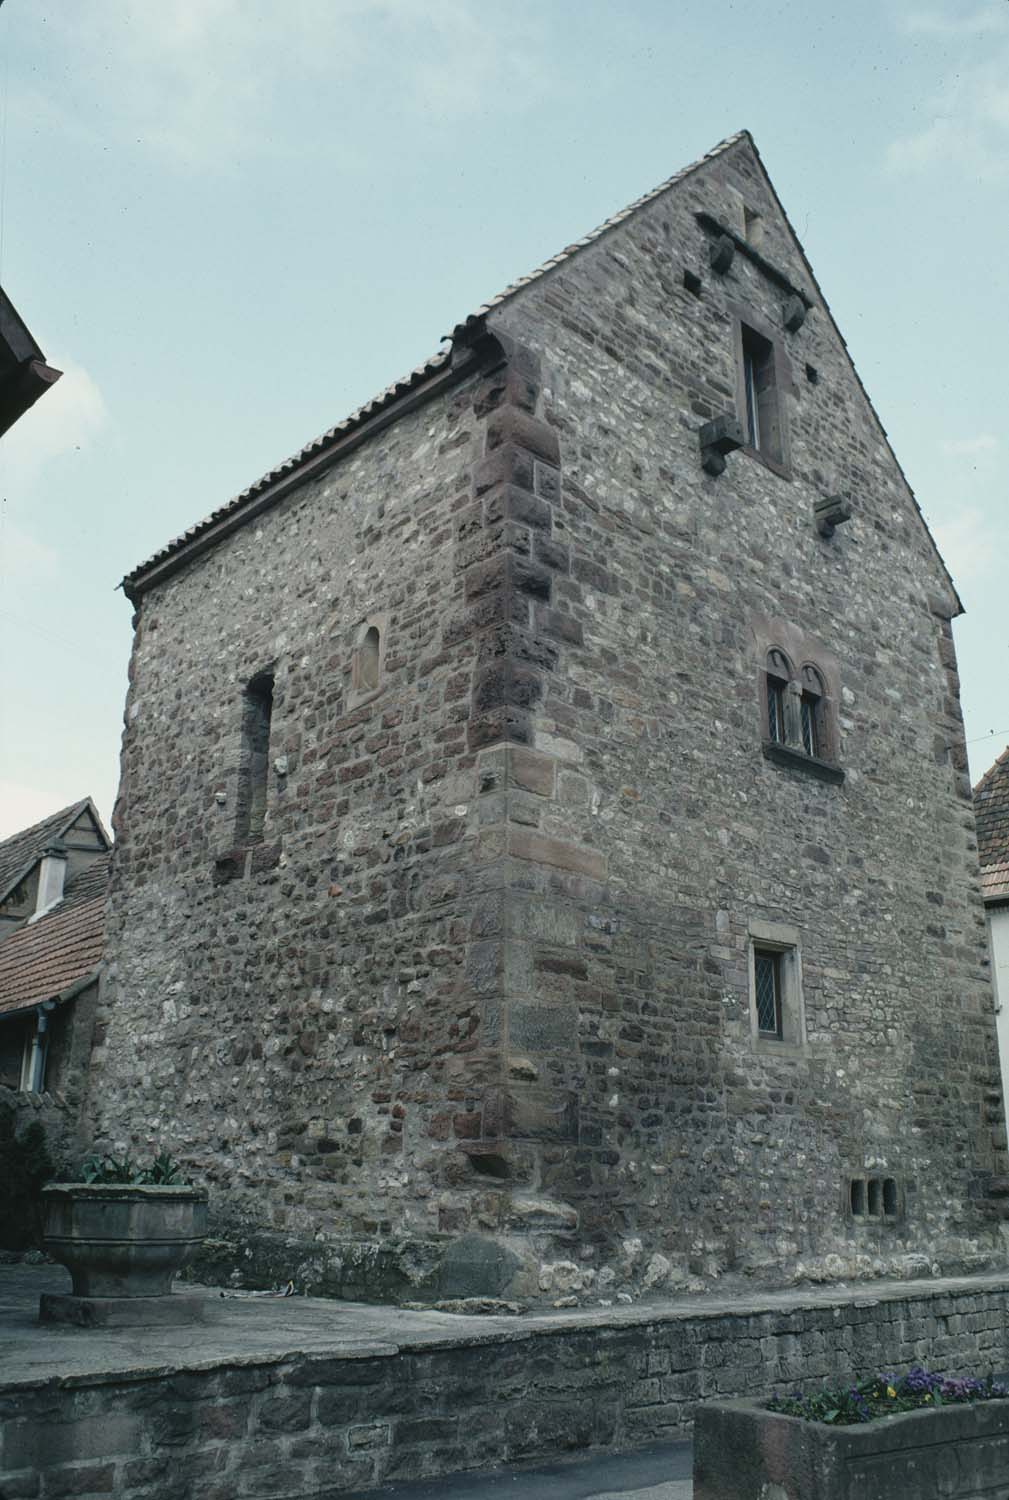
(44, 958)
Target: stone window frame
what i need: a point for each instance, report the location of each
(804, 654)
(786, 942)
(361, 689)
(746, 321)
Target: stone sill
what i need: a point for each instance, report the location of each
(798, 760)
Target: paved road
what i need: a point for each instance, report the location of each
(660, 1472)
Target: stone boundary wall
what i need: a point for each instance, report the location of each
(328, 1425)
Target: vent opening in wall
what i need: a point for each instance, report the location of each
(874, 1198)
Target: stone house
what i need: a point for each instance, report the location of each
(544, 853)
(52, 898)
(991, 809)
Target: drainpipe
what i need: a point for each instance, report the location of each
(40, 1046)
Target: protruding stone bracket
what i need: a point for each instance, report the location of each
(830, 512)
(720, 254)
(717, 438)
(794, 314)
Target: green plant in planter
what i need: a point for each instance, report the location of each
(163, 1171)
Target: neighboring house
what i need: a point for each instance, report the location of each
(52, 897)
(24, 374)
(542, 862)
(991, 809)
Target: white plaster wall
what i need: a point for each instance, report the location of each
(998, 932)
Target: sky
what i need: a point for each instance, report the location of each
(231, 222)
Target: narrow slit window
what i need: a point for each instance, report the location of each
(767, 984)
(889, 1196)
(875, 1197)
(257, 713)
(762, 419)
(370, 650)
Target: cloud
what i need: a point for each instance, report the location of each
(968, 118)
(973, 447)
(971, 543)
(981, 22)
(66, 418)
(202, 81)
(22, 557)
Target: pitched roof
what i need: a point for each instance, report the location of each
(991, 810)
(44, 959)
(22, 850)
(423, 372)
(315, 452)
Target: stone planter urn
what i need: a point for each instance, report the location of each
(122, 1244)
(742, 1452)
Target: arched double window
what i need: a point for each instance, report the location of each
(796, 706)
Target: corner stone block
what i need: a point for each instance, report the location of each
(513, 425)
(532, 772)
(525, 843)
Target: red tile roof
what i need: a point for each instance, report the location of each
(43, 959)
(991, 809)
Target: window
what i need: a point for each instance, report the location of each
(367, 667)
(777, 1015)
(753, 226)
(763, 379)
(797, 715)
(767, 991)
(779, 675)
(761, 417)
(257, 712)
(369, 659)
(811, 711)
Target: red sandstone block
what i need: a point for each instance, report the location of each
(526, 843)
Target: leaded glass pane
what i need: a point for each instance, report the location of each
(775, 710)
(807, 726)
(765, 973)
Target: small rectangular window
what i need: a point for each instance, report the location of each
(767, 983)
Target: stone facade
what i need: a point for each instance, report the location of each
(482, 985)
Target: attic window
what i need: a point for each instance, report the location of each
(753, 227)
